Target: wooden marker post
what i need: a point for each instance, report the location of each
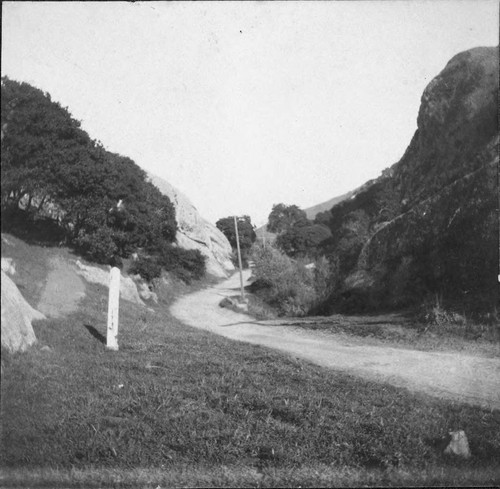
(113, 306)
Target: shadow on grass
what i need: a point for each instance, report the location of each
(98, 336)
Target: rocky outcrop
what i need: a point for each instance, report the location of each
(429, 224)
(128, 288)
(194, 232)
(8, 266)
(17, 315)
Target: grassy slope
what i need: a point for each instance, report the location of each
(178, 406)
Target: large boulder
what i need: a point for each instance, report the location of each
(17, 315)
(195, 233)
(128, 288)
(429, 225)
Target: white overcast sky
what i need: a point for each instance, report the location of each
(242, 105)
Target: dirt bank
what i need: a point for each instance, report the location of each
(456, 376)
(62, 291)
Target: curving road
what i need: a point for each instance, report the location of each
(465, 378)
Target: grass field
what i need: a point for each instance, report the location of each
(180, 407)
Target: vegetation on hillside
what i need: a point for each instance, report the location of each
(60, 185)
(298, 237)
(289, 285)
(428, 226)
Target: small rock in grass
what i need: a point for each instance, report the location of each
(458, 445)
(46, 348)
(8, 266)
(227, 302)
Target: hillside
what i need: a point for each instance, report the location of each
(312, 212)
(196, 233)
(61, 187)
(428, 227)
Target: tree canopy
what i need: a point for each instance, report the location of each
(302, 240)
(283, 217)
(246, 231)
(51, 167)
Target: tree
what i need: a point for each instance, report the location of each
(49, 163)
(38, 137)
(353, 234)
(246, 231)
(302, 240)
(283, 217)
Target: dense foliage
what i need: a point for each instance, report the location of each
(298, 237)
(283, 217)
(246, 234)
(288, 285)
(188, 265)
(303, 239)
(52, 170)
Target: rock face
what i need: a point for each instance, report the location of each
(128, 288)
(196, 233)
(429, 224)
(8, 266)
(17, 314)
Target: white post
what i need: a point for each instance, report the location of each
(113, 306)
(239, 258)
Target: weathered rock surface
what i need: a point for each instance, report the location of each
(17, 315)
(8, 266)
(196, 233)
(429, 224)
(459, 445)
(145, 292)
(128, 288)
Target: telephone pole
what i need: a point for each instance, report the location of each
(239, 258)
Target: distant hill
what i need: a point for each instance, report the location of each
(313, 211)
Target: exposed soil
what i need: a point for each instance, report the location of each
(62, 291)
(456, 376)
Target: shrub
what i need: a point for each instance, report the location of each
(98, 246)
(435, 314)
(187, 265)
(284, 283)
(148, 267)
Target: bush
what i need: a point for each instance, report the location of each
(148, 267)
(187, 265)
(98, 246)
(285, 284)
(434, 314)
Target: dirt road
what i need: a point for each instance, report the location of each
(465, 378)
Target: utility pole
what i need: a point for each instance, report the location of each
(239, 258)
